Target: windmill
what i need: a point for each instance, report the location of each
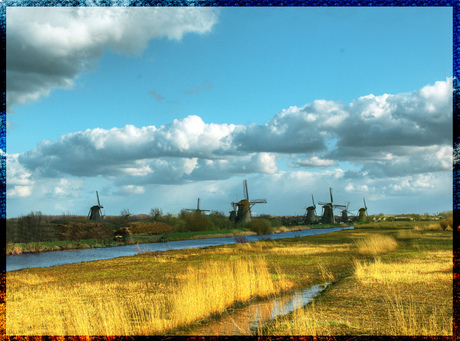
(242, 209)
(95, 211)
(328, 210)
(345, 214)
(362, 213)
(311, 212)
(197, 210)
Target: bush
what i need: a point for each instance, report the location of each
(218, 221)
(81, 231)
(30, 228)
(260, 226)
(443, 224)
(194, 221)
(147, 227)
(274, 221)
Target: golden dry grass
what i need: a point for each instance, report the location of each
(376, 244)
(381, 298)
(378, 290)
(42, 305)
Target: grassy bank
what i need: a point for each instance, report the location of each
(387, 278)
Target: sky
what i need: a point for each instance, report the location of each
(157, 107)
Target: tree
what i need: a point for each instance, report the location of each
(156, 214)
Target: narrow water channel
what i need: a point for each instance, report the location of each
(44, 259)
(247, 320)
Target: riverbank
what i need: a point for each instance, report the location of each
(145, 294)
(37, 247)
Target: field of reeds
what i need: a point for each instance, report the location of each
(389, 278)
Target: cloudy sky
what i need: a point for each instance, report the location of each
(156, 107)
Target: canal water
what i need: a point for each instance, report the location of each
(52, 258)
(247, 320)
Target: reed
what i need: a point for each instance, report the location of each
(376, 244)
(43, 305)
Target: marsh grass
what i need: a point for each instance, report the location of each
(130, 307)
(406, 290)
(401, 291)
(376, 244)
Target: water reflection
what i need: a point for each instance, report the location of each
(246, 320)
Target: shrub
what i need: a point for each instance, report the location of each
(147, 227)
(194, 221)
(260, 226)
(218, 221)
(30, 228)
(80, 231)
(443, 224)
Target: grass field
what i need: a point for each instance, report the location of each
(387, 279)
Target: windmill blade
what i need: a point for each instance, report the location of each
(198, 205)
(258, 201)
(330, 191)
(322, 203)
(245, 189)
(313, 201)
(98, 202)
(365, 207)
(348, 203)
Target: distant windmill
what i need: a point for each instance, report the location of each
(311, 212)
(197, 210)
(328, 210)
(362, 213)
(345, 214)
(95, 212)
(242, 209)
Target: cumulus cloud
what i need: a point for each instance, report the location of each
(313, 162)
(412, 134)
(48, 47)
(420, 118)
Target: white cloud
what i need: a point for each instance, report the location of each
(48, 47)
(412, 154)
(314, 162)
(189, 149)
(131, 189)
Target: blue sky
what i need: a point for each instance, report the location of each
(156, 109)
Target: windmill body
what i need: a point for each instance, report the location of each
(311, 213)
(328, 210)
(362, 213)
(95, 213)
(345, 214)
(243, 207)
